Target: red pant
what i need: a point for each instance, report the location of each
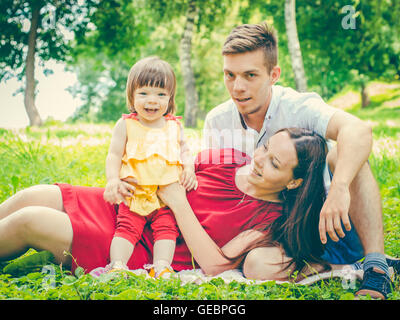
(130, 224)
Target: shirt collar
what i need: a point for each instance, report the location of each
(267, 114)
(242, 122)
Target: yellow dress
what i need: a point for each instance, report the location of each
(152, 156)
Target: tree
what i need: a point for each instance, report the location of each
(207, 13)
(120, 31)
(29, 100)
(48, 22)
(350, 42)
(378, 32)
(361, 40)
(294, 46)
(282, 17)
(191, 96)
(342, 42)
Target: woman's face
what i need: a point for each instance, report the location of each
(273, 163)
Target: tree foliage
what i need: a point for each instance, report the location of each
(37, 28)
(121, 29)
(335, 52)
(100, 40)
(58, 21)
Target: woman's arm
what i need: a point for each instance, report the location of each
(206, 252)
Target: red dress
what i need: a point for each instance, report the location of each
(221, 208)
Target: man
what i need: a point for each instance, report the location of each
(258, 108)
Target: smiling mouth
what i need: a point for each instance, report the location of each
(242, 100)
(151, 110)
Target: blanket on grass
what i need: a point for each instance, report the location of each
(197, 276)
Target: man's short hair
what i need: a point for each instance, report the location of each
(251, 37)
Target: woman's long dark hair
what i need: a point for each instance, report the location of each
(296, 230)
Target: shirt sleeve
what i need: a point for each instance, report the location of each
(317, 114)
(211, 134)
(305, 110)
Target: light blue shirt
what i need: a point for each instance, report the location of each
(224, 127)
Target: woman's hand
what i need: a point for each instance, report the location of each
(188, 178)
(117, 190)
(171, 193)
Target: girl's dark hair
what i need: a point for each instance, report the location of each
(296, 230)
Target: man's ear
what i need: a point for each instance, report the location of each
(295, 183)
(275, 74)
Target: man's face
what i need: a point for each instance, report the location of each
(248, 81)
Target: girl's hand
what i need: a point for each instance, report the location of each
(117, 190)
(188, 179)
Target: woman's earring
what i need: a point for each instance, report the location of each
(294, 184)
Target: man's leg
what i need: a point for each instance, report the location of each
(366, 210)
(365, 207)
(366, 214)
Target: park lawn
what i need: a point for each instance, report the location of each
(75, 154)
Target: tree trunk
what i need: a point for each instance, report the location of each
(191, 97)
(294, 46)
(365, 101)
(33, 114)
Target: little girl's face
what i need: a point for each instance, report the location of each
(151, 103)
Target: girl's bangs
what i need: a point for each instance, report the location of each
(153, 77)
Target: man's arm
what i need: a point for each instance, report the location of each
(354, 144)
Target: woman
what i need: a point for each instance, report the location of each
(241, 206)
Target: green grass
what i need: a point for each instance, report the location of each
(76, 154)
(36, 285)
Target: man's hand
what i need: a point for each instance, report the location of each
(117, 190)
(335, 211)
